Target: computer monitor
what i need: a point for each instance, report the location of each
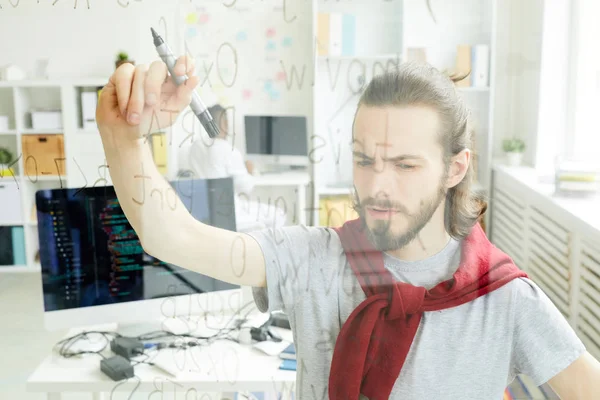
(94, 270)
(276, 140)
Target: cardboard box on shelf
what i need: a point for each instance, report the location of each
(43, 155)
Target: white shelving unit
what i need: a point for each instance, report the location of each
(82, 149)
(396, 26)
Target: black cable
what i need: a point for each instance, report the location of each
(165, 334)
(216, 335)
(222, 333)
(69, 355)
(144, 361)
(67, 343)
(85, 333)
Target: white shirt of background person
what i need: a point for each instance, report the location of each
(218, 158)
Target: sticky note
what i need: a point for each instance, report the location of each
(280, 76)
(191, 18)
(191, 32)
(204, 18)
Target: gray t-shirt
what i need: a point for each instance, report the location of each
(472, 351)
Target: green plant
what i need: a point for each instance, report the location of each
(122, 56)
(513, 145)
(6, 157)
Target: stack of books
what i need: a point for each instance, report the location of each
(577, 178)
(288, 355)
(336, 34)
(474, 58)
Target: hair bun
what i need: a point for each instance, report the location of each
(457, 76)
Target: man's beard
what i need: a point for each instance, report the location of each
(380, 234)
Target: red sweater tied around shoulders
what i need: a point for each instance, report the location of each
(375, 339)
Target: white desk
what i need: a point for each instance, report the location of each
(299, 180)
(222, 367)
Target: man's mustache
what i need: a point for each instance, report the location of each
(385, 204)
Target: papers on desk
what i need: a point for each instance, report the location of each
(289, 353)
(271, 348)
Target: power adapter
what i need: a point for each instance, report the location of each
(127, 347)
(117, 368)
(281, 320)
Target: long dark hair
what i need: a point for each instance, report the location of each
(413, 83)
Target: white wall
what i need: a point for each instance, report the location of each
(556, 95)
(518, 66)
(81, 42)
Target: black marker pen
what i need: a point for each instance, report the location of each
(198, 107)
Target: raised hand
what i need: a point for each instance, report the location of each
(143, 99)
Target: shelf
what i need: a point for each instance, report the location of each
(363, 8)
(20, 268)
(44, 178)
(87, 132)
(9, 132)
(333, 191)
(30, 83)
(12, 223)
(42, 131)
(362, 57)
(87, 82)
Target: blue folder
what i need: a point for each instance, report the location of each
(348, 34)
(288, 365)
(18, 242)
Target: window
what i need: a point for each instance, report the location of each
(582, 141)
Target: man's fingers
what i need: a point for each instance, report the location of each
(184, 93)
(157, 73)
(184, 65)
(132, 87)
(122, 79)
(137, 99)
